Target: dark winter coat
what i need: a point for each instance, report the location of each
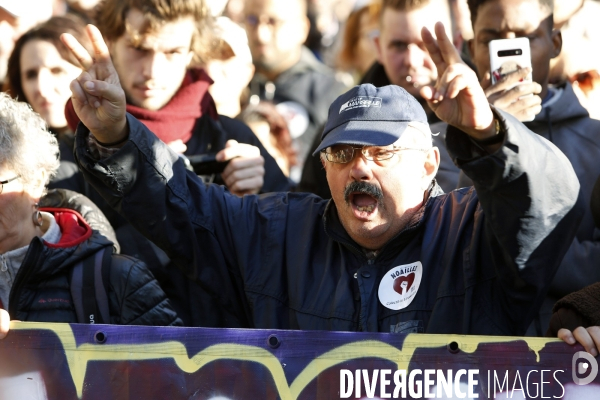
(481, 259)
(41, 289)
(568, 125)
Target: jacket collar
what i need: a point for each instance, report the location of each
(567, 107)
(74, 229)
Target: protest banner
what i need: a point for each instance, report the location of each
(72, 361)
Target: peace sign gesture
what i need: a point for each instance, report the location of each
(457, 97)
(98, 98)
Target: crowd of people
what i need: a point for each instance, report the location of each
(301, 164)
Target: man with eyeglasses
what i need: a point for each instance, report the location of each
(287, 73)
(402, 60)
(389, 252)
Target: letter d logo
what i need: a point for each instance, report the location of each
(579, 369)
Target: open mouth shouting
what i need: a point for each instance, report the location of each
(364, 198)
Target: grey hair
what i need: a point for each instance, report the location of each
(26, 145)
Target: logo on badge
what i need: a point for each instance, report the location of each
(399, 285)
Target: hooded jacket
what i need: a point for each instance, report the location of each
(471, 261)
(567, 124)
(41, 288)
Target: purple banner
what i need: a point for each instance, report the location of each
(62, 361)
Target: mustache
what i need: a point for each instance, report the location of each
(363, 188)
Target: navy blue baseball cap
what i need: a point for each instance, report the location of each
(370, 116)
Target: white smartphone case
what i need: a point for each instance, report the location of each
(507, 55)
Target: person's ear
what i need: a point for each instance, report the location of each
(251, 70)
(556, 42)
(38, 185)
(190, 57)
(431, 166)
(304, 28)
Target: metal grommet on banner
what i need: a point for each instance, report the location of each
(273, 341)
(100, 337)
(453, 347)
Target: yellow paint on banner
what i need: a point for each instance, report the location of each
(78, 357)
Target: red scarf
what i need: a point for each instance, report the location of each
(177, 119)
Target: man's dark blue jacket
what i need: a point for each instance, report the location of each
(481, 259)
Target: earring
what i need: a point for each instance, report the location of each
(37, 216)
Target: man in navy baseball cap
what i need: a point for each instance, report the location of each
(376, 194)
(371, 116)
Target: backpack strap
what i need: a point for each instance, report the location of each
(89, 288)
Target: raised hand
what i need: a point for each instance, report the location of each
(457, 97)
(98, 98)
(514, 97)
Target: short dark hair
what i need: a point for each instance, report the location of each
(475, 4)
(48, 31)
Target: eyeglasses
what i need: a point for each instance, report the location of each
(344, 153)
(2, 183)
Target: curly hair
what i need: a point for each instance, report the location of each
(111, 21)
(26, 145)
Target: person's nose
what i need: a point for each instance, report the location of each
(360, 167)
(263, 33)
(154, 65)
(45, 83)
(414, 56)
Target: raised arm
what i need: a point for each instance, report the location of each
(457, 98)
(526, 192)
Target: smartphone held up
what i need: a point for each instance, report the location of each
(508, 56)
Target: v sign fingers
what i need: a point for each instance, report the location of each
(105, 69)
(98, 98)
(81, 54)
(457, 97)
